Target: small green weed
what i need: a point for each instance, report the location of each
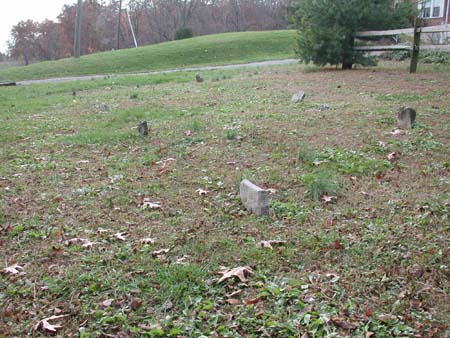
(351, 162)
(320, 182)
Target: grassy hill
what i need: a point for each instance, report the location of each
(205, 50)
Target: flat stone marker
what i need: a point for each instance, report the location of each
(406, 117)
(254, 198)
(299, 96)
(143, 128)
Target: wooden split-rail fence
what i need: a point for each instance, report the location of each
(415, 47)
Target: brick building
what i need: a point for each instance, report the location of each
(434, 12)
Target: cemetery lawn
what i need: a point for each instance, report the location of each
(105, 233)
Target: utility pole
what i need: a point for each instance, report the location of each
(118, 25)
(76, 48)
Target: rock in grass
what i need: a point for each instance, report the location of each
(198, 78)
(299, 96)
(143, 128)
(254, 198)
(406, 117)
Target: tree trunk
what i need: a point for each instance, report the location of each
(347, 59)
(347, 64)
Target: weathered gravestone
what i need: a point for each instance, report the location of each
(299, 96)
(143, 128)
(198, 78)
(406, 117)
(254, 198)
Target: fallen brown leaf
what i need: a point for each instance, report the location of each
(269, 244)
(13, 269)
(329, 199)
(233, 301)
(201, 191)
(236, 272)
(253, 301)
(146, 203)
(160, 252)
(392, 156)
(344, 324)
(46, 326)
(120, 236)
(336, 245)
(397, 132)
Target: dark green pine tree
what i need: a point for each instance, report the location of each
(326, 28)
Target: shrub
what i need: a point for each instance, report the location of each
(183, 33)
(326, 28)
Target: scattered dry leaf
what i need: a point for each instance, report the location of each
(106, 303)
(416, 271)
(397, 132)
(146, 203)
(182, 260)
(166, 161)
(135, 303)
(344, 324)
(13, 269)
(75, 241)
(386, 317)
(236, 272)
(272, 191)
(160, 252)
(147, 240)
(317, 162)
(253, 301)
(336, 245)
(201, 191)
(46, 326)
(269, 244)
(392, 156)
(329, 199)
(234, 293)
(121, 236)
(233, 301)
(88, 244)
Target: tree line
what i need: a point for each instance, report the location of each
(153, 21)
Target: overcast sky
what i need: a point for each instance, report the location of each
(13, 11)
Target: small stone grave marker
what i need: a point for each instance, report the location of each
(254, 198)
(406, 117)
(143, 128)
(198, 78)
(299, 96)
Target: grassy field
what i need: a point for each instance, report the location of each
(111, 234)
(205, 50)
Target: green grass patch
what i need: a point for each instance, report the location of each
(217, 49)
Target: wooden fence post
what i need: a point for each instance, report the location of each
(415, 46)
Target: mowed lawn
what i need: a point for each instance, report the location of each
(216, 49)
(111, 234)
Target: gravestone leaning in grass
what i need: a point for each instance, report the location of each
(143, 128)
(406, 117)
(254, 198)
(198, 78)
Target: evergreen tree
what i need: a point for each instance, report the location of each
(326, 28)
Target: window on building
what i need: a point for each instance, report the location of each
(431, 8)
